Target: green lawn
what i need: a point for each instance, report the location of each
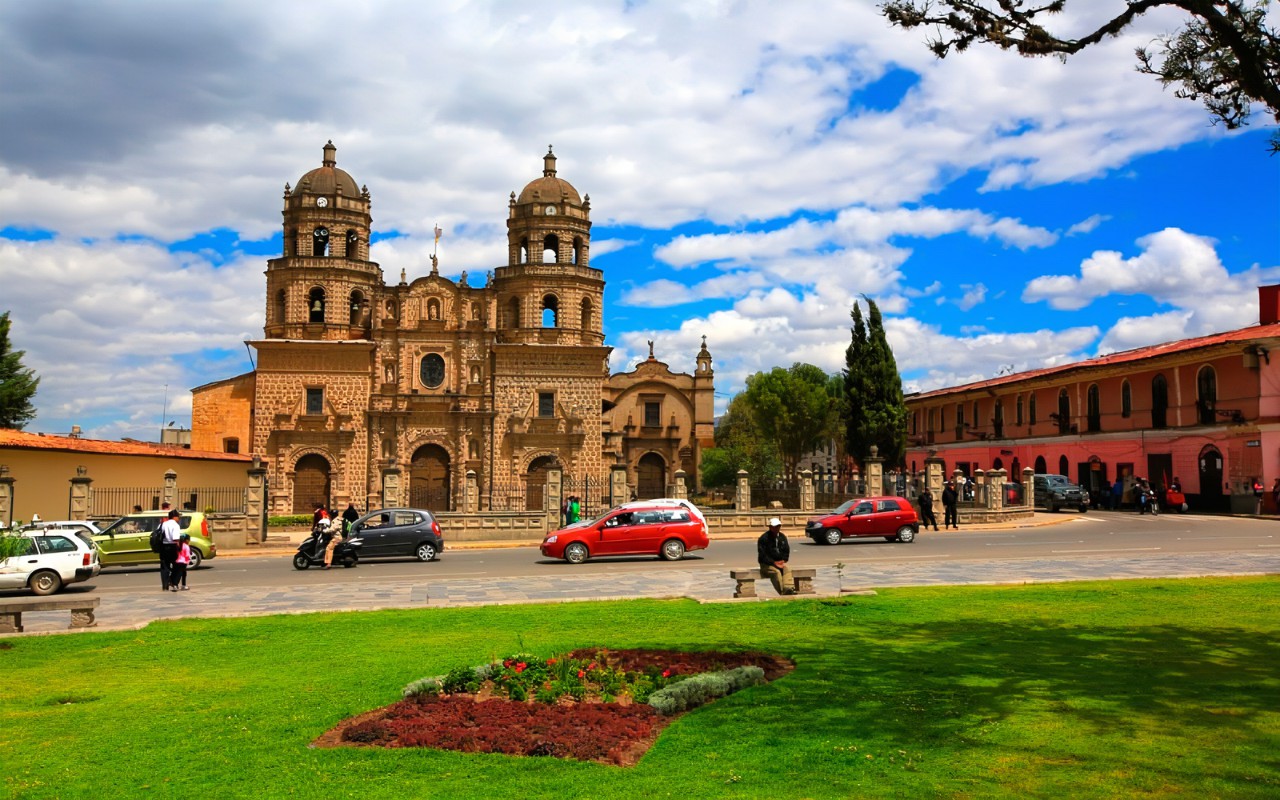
(1165, 688)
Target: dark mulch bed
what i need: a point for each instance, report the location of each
(610, 733)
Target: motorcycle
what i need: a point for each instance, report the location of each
(1151, 501)
(311, 551)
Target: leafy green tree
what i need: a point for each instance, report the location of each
(17, 384)
(1225, 55)
(739, 445)
(792, 408)
(874, 410)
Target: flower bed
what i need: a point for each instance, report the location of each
(595, 705)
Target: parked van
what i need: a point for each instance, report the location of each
(1053, 492)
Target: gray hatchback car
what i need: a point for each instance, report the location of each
(398, 532)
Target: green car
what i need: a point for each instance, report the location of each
(127, 541)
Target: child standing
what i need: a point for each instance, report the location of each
(180, 563)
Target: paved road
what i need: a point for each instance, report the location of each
(1094, 546)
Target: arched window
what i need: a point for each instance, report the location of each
(513, 313)
(277, 310)
(551, 249)
(550, 311)
(1126, 400)
(588, 315)
(1018, 412)
(1064, 411)
(357, 308)
(1041, 466)
(997, 420)
(315, 303)
(320, 241)
(931, 417)
(959, 420)
(977, 417)
(1207, 395)
(1093, 416)
(353, 244)
(1063, 465)
(524, 251)
(431, 371)
(1159, 402)
(915, 422)
(1031, 408)
(577, 249)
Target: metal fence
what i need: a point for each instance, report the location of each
(786, 493)
(116, 501)
(229, 499)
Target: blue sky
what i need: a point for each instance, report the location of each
(754, 168)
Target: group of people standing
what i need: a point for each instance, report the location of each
(175, 552)
(950, 500)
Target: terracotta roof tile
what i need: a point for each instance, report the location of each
(39, 441)
(1124, 357)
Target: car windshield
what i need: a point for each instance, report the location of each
(142, 524)
(844, 507)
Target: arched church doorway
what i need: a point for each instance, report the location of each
(310, 483)
(651, 476)
(429, 478)
(535, 486)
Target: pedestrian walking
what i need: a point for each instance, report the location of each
(772, 553)
(349, 517)
(950, 514)
(172, 531)
(575, 509)
(927, 517)
(181, 563)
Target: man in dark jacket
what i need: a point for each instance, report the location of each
(349, 517)
(927, 517)
(951, 517)
(772, 553)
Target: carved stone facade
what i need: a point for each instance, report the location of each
(365, 389)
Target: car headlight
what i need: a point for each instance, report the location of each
(549, 540)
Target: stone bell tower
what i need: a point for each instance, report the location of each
(323, 285)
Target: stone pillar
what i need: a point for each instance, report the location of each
(933, 476)
(471, 493)
(995, 490)
(81, 495)
(681, 491)
(1029, 487)
(391, 486)
(255, 501)
(6, 497)
(807, 494)
(980, 493)
(618, 492)
(742, 500)
(170, 489)
(552, 496)
(874, 466)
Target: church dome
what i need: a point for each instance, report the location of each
(328, 179)
(549, 188)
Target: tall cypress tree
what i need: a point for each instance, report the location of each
(17, 384)
(875, 411)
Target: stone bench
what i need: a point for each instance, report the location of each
(747, 578)
(12, 608)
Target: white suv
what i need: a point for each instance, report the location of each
(53, 558)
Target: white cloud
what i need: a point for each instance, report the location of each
(1087, 225)
(973, 295)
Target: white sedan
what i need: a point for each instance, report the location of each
(49, 560)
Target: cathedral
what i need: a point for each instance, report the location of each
(445, 384)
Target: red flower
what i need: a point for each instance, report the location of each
(581, 673)
(666, 673)
(520, 667)
(550, 661)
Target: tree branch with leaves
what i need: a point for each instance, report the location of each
(1226, 56)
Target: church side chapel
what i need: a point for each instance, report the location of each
(365, 390)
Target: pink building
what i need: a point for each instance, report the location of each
(1203, 410)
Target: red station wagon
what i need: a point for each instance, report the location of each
(634, 529)
(890, 517)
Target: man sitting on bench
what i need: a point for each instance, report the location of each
(772, 553)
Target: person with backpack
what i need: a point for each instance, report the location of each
(170, 534)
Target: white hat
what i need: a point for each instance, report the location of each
(774, 522)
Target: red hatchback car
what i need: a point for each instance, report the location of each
(890, 517)
(635, 529)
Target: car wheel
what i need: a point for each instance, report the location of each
(350, 561)
(1053, 509)
(426, 552)
(906, 534)
(1084, 509)
(576, 553)
(672, 550)
(45, 582)
(196, 559)
(300, 561)
(832, 536)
